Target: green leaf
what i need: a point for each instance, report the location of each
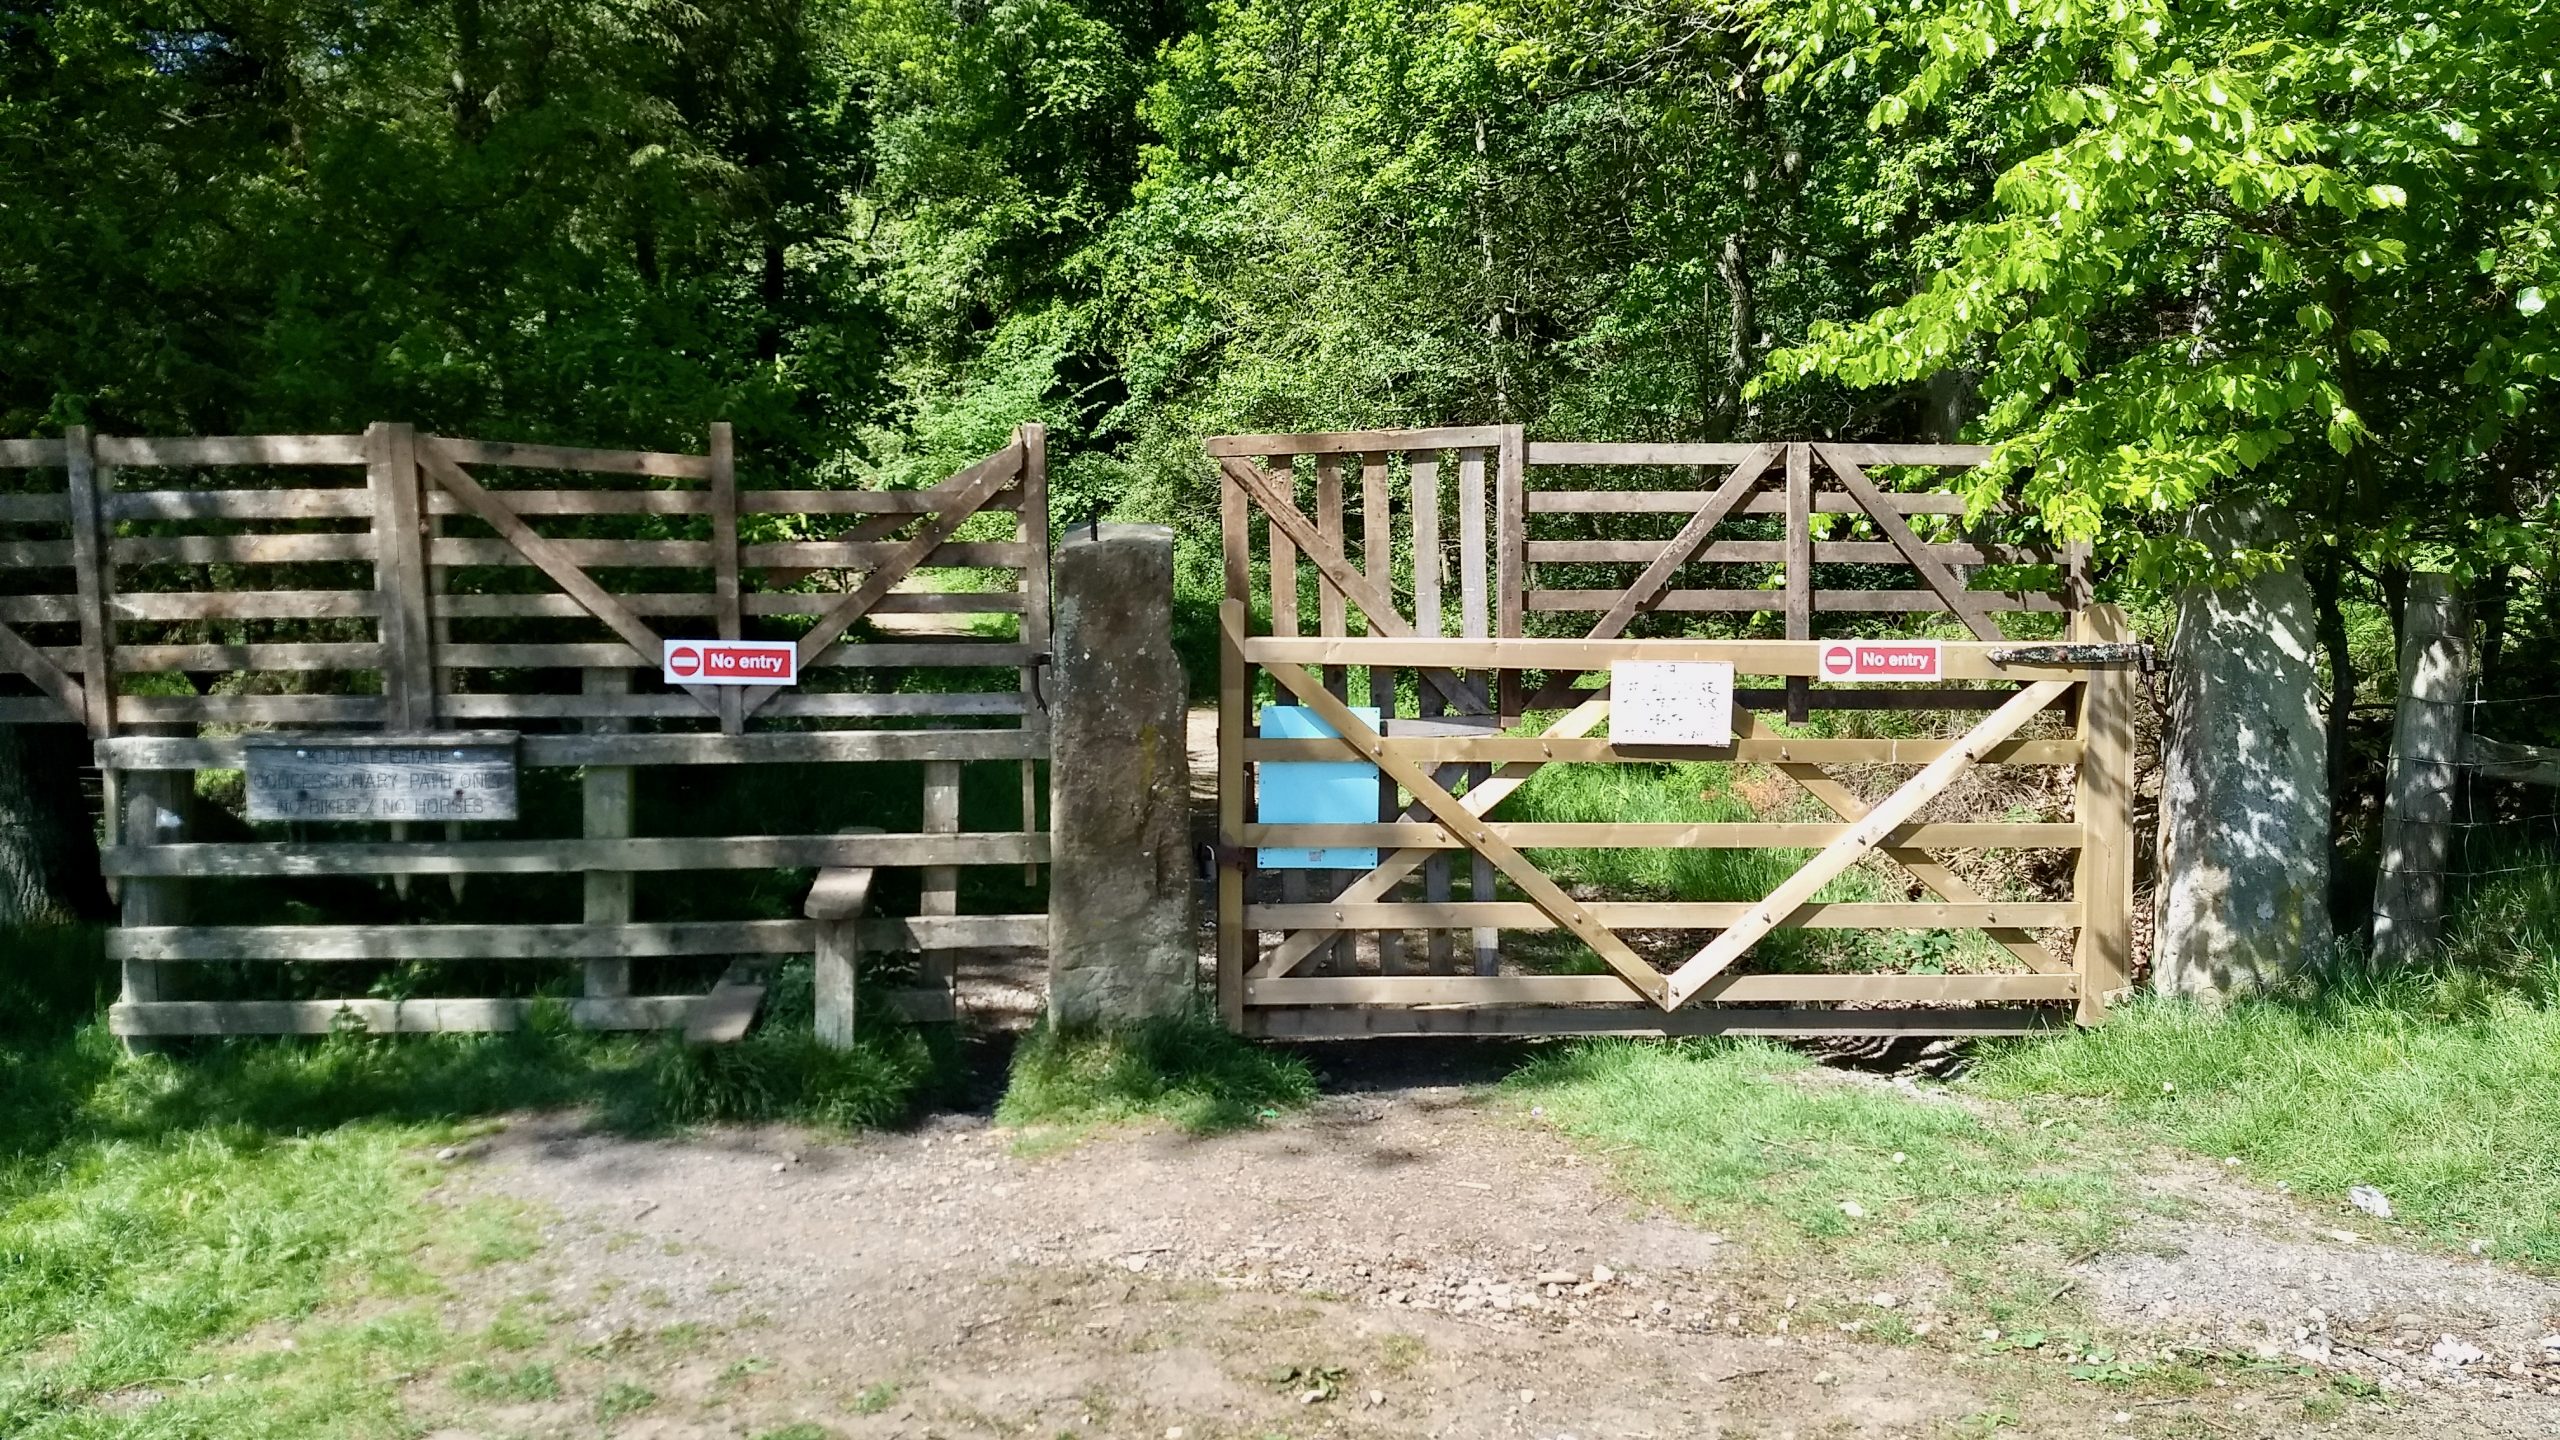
(2529, 300)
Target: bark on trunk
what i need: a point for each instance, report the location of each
(48, 840)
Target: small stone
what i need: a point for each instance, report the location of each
(2457, 1352)
(2123, 1417)
(779, 1167)
(1825, 1377)
(1312, 1397)
(2345, 1237)
(1853, 1209)
(2369, 1200)
(1377, 1398)
(1559, 1277)
(1602, 1274)
(1901, 1159)
(1174, 1432)
(1884, 1301)
(2479, 1247)
(2230, 1162)
(1528, 1396)
(2168, 1087)
(449, 1154)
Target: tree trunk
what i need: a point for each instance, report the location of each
(48, 842)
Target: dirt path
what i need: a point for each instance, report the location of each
(1425, 1266)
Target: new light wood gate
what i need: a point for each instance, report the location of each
(1557, 552)
(176, 595)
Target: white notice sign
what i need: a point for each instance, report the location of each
(1670, 702)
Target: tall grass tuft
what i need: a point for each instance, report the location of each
(1188, 1070)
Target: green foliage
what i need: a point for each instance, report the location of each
(1187, 1071)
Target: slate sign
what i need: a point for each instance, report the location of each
(470, 776)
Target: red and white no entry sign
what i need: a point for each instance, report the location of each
(731, 662)
(1880, 660)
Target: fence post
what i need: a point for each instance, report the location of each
(2103, 804)
(400, 579)
(1121, 942)
(2426, 751)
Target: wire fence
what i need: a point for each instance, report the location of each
(2502, 824)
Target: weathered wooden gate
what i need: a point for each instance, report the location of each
(1448, 690)
(179, 596)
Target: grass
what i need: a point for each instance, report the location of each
(168, 1223)
(1861, 1177)
(2445, 1098)
(1189, 1072)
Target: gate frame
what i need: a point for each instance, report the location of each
(1259, 994)
(149, 748)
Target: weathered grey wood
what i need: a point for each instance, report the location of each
(598, 856)
(1773, 552)
(730, 614)
(153, 810)
(1667, 915)
(240, 549)
(249, 709)
(1922, 558)
(1443, 438)
(988, 654)
(836, 901)
(2103, 804)
(941, 892)
(1962, 456)
(563, 457)
(605, 815)
(1640, 596)
(531, 607)
(244, 604)
(45, 670)
(1683, 502)
(30, 453)
(400, 776)
(40, 609)
(586, 502)
(232, 450)
(93, 581)
(2425, 770)
(859, 502)
(566, 942)
(388, 1017)
(159, 659)
(1747, 745)
(596, 554)
(346, 502)
(817, 704)
(36, 554)
(725, 1015)
(1885, 816)
(1511, 556)
(1573, 452)
(1607, 990)
(865, 554)
(1958, 659)
(1031, 527)
(2509, 761)
(1718, 835)
(1799, 568)
(782, 748)
(1896, 602)
(1300, 1023)
(827, 635)
(31, 509)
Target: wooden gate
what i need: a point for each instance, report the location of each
(177, 596)
(1558, 552)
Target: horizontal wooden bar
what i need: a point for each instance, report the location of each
(240, 549)
(22, 453)
(230, 450)
(243, 604)
(388, 1017)
(1448, 437)
(154, 659)
(1470, 990)
(1663, 915)
(51, 509)
(1301, 1023)
(1905, 602)
(1733, 835)
(1771, 552)
(161, 944)
(584, 502)
(613, 655)
(1964, 455)
(35, 554)
(350, 502)
(249, 710)
(794, 747)
(35, 710)
(552, 857)
(860, 502)
(607, 554)
(804, 703)
(864, 554)
(38, 609)
(1689, 502)
(754, 602)
(1595, 750)
(565, 457)
(1579, 452)
(1959, 659)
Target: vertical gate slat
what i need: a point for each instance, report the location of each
(1332, 623)
(941, 882)
(1475, 622)
(605, 798)
(1423, 475)
(1511, 517)
(1031, 527)
(2103, 881)
(1236, 949)
(1378, 558)
(724, 562)
(408, 673)
(1799, 570)
(88, 548)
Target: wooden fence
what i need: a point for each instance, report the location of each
(175, 596)
(1745, 530)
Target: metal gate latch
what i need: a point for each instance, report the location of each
(2092, 653)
